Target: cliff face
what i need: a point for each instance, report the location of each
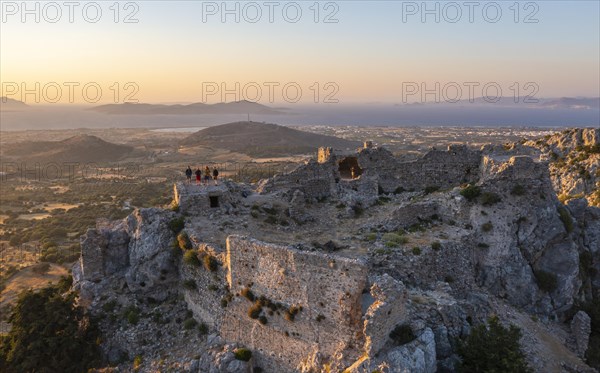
(136, 250)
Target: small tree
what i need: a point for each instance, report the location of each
(470, 192)
(492, 348)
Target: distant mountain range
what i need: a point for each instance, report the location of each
(80, 148)
(237, 107)
(8, 104)
(572, 103)
(263, 139)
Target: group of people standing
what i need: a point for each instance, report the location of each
(198, 173)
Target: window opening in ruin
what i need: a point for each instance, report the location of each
(349, 168)
(214, 201)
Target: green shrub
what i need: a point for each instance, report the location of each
(518, 190)
(183, 240)
(242, 354)
(416, 250)
(566, 219)
(190, 284)
(358, 210)
(41, 268)
(248, 294)
(210, 263)
(402, 334)
(371, 237)
(189, 323)
(191, 258)
(486, 227)
(394, 239)
(291, 313)
(203, 328)
(470, 192)
(431, 189)
(436, 245)
(177, 224)
(547, 281)
(483, 245)
(271, 219)
(399, 190)
(492, 348)
(137, 362)
(489, 198)
(255, 310)
(132, 314)
(109, 306)
(382, 200)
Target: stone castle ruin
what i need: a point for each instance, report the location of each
(300, 309)
(377, 171)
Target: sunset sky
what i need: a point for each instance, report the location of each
(368, 53)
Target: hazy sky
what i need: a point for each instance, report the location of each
(178, 50)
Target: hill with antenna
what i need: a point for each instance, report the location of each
(259, 139)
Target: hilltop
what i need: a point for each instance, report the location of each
(263, 139)
(80, 148)
(237, 107)
(319, 267)
(8, 104)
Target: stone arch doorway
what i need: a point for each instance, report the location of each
(346, 165)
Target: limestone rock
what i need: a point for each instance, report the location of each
(581, 327)
(417, 356)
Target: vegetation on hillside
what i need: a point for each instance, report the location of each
(492, 347)
(50, 333)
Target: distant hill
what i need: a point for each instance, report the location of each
(237, 107)
(573, 103)
(80, 148)
(8, 104)
(264, 139)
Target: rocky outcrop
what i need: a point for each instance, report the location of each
(137, 249)
(524, 250)
(574, 157)
(581, 327)
(417, 356)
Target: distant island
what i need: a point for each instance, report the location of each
(237, 107)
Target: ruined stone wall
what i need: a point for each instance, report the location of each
(324, 154)
(514, 168)
(195, 199)
(205, 300)
(328, 289)
(387, 311)
(315, 180)
(104, 250)
(440, 168)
